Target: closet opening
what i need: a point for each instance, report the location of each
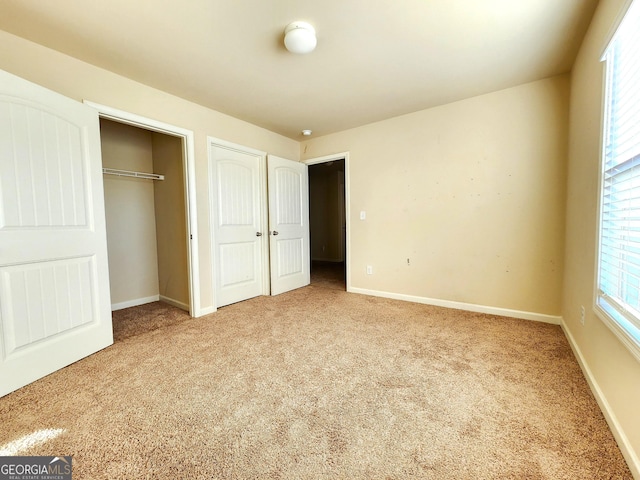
(327, 224)
(147, 218)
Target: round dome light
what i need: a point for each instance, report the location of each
(300, 37)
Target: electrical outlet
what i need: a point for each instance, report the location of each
(582, 315)
(369, 270)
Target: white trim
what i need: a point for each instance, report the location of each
(134, 303)
(189, 161)
(471, 307)
(347, 204)
(175, 303)
(624, 444)
(213, 141)
(264, 226)
(327, 158)
(596, 260)
(233, 146)
(207, 311)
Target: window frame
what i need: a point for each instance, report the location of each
(622, 322)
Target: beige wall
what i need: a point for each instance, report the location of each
(472, 193)
(130, 213)
(611, 366)
(489, 169)
(79, 80)
(171, 222)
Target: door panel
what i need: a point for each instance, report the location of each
(47, 190)
(38, 304)
(237, 264)
(238, 219)
(288, 224)
(290, 255)
(54, 280)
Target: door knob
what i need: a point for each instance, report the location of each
(258, 234)
(275, 233)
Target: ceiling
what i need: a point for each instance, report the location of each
(375, 59)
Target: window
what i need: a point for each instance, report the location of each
(618, 285)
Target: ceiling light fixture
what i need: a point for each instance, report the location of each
(306, 133)
(300, 37)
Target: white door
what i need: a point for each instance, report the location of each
(54, 279)
(288, 224)
(238, 221)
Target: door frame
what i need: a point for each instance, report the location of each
(264, 212)
(347, 205)
(188, 165)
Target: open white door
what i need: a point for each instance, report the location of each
(238, 233)
(288, 224)
(54, 279)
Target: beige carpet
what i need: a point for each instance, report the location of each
(320, 384)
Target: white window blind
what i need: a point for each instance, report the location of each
(619, 255)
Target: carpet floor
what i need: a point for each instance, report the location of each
(319, 384)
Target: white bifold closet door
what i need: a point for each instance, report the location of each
(54, 279)
(246, 246)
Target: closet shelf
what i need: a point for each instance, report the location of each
(128, 173)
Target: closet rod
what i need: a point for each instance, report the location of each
(127, 173)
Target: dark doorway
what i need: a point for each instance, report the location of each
(327, 224)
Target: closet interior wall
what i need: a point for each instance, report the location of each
(146, 219)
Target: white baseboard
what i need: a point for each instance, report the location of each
(175, 303)
(626, 448)
(134, 303)
(471, 307)
(156, 298)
